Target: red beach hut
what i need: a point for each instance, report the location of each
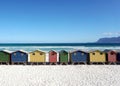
(52, 56)
(112, 56)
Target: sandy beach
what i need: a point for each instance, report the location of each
(79, 75)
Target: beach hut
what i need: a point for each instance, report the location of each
(52, 56)
(19, 56)
(97, 56)
(5, 57)
(118, 57)
(111, 56)
(37, 56)
(79, 57)
(63, 57)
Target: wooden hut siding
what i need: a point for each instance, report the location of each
(97, 56)
(52, 56)
(112, 56)
(63, 56)
(19, 56)
(79, 56)
(4, 57)
(37, 56)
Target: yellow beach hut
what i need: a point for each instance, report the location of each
(97, 56)
(37, 56)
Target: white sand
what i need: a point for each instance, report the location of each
(82, 75)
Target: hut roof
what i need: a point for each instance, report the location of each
(7, 51)
(96, 51)
(37, 51)
(63, 51)
(79, 51)
(107, 51)
(52, 51)
(22, 51)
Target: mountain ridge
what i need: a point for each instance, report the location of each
(109, 40)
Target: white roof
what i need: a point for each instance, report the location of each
(38, 51)
(78, 50)
(21, 51)
(7, 51)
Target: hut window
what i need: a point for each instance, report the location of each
(22, 54)
(101, 53)
(52, 53)
(63, 53)
(33, 54)
(41, 53)
(82, 54)
(14, 54)
(112, 53)
(93, 53)
(75, 54)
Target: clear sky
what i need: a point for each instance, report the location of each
(58, 20)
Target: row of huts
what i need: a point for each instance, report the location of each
(77, 56)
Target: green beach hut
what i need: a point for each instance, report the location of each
(4, 57)
(63, 56)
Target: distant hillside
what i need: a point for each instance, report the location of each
(109, 40)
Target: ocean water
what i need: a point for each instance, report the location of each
(58, 46)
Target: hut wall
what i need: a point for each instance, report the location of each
(37, 57)
(4, 57)
(19, 57)
(79, 57)
(111, 57)
(63, 57)
(97, 57)
(52, 57)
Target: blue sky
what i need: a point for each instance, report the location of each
(58, 20)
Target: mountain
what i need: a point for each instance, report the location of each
(109, 40)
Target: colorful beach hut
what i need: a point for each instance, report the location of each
(19, 56)
(97, 56)
(118, 57)
(111, 56)
(5, 57)
(79, 56)
(63, 56)
(52, 56)
(37, 56)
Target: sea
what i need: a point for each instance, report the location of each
(58, 46)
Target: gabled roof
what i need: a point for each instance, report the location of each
(37, 51)
(63, 51)
(52, 51)
(96, 51)
(6, 51)
(22, 51)
(107, 51)
(78, 51)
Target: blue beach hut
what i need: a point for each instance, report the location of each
(79, 56)
(19, 57)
